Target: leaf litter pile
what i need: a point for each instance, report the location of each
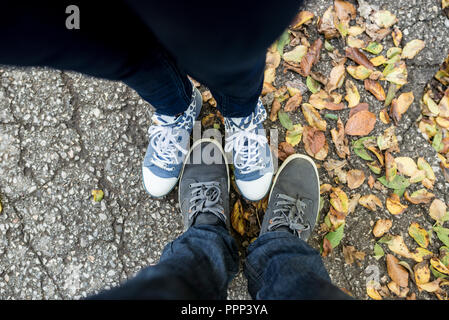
(374, 58)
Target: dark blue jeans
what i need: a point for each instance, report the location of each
(201, 263)
(152, 45)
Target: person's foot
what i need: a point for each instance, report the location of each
(251, 154)
(204, 185)
(169, 138)
(293, 204)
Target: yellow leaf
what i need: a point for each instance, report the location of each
(422, 273)
(371, 290)
(356, 31)
(430, 286)
(359, 72)
(420, 254)
(294, 135)
(381, 227)
(237, 220)
(437, 210)
(98, 195)
(394, 205)
(406, 166)
(370, 202)
(439, 266)
(313, 117)
(398, 246)
(353, 42)
(412, 48)
(339, 200)
(296, 54)
(377, 61)
(269, 75)
(352, 94)
(419, 234)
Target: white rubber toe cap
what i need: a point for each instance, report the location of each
(157, 186)
(257, 189)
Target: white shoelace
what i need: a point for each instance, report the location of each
(250, 157)
(165, 145)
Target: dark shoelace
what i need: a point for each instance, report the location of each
(291, 214)
(206, 198)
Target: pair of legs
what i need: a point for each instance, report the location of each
(201, 262)
(152, 46)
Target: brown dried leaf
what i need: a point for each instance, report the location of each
(396, 272)
(312, 57)
(293, 103)
(359, 57)
(344, 10)
(340, 142)
(284, 150)
(275, 107)
(300, 19)
(400, 105)
(336, 78)
(437, 210)
(313, 117)
(381, 227)
(351, 254)
(361, 123)
(326, 24)
(315, 143)
(370, 202)
(355, 178)
(419, 196)
(375, 88)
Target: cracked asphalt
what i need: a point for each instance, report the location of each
(63, 134)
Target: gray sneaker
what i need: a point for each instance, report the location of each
(293, 203)
(204, 185)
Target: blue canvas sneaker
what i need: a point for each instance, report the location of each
(251, 154)
(169, 139)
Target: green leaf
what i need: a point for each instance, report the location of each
(374, 48)
(335, 237)
(285, 120)
(392, 90)
(328, 46)
(282, 42)
(437, 141)
(398, 182)
(331, 116)
(399, 192)
(312, 84)
(362, 153)
(385, 239)
(378, 251)
(327, 221)
(294, 135)
(437, 274)
(374, 167)
(444, 255)
(442, 234)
